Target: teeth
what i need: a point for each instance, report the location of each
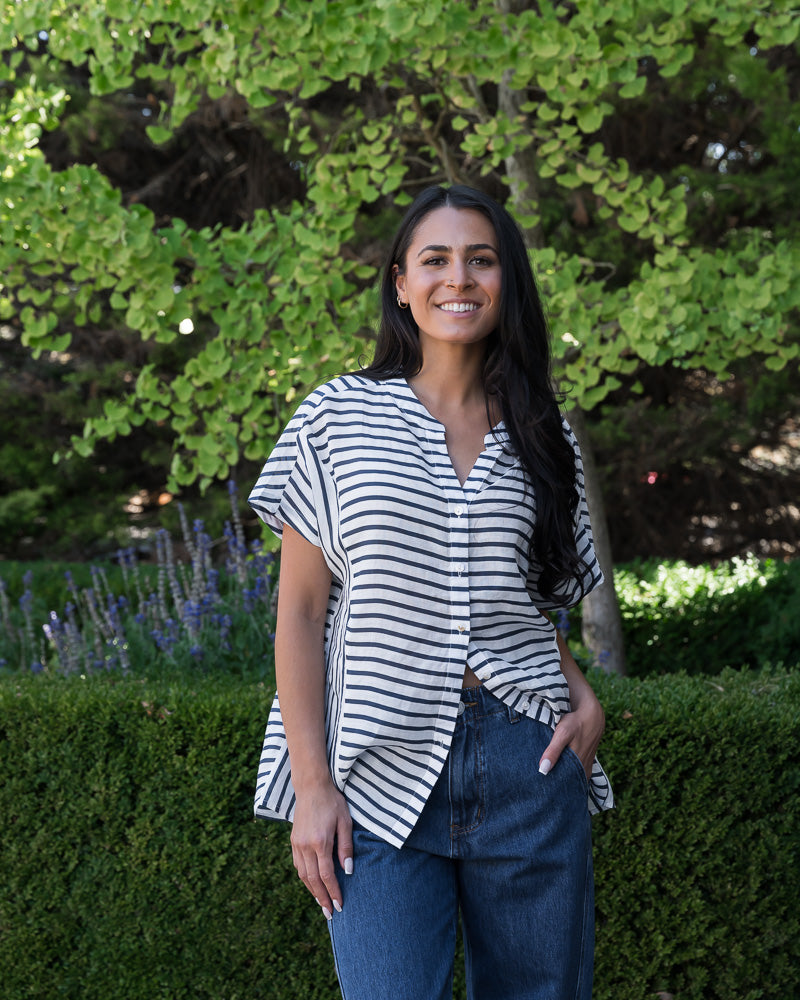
(459, 307)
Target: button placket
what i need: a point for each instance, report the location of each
(459, 555)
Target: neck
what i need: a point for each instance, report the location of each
(451, 378)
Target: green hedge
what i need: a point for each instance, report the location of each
(699, 619)
(132, 870)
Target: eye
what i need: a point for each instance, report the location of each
(482, 261)
(435, 260)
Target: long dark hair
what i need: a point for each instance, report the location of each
(517, 373)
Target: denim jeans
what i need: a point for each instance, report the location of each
(508, 847)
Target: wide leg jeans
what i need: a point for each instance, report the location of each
(507, 847)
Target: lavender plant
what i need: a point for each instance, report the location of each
(185, 615)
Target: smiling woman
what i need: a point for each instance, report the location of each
(452, 288)
(434, 742)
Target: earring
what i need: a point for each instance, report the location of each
(403, 305)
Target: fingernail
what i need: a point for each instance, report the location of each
(348, 866)
(337, 906)
(327, 912)
(544, 767)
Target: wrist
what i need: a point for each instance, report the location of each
(585, 701)
(311, 781)
(591, 715)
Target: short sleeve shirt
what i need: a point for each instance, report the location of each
(429, 575)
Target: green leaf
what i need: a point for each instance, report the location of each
(629, 224)
(209, 463)
(215, 351)
(634, 88)
(182, 389)
(162, 296)
(589, 119)
(569, 180)
(547, 113)
(158, 134)
(589, 175)
(543, 43)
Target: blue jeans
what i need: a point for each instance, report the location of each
(508, 847)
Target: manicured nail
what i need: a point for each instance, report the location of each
(327, 912)
(544, 767)
(348, 866)
(337, 906)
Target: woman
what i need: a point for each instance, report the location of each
(434, 743)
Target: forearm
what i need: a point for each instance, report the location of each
(305, 584)
(300, 675)
(581, 694)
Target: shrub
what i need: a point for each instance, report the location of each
(163, 617)
(698, 868)
(699, 619)
(132, 868)
(676, 617)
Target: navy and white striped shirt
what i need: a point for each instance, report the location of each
(428, 575)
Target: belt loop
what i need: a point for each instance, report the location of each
(513, 714)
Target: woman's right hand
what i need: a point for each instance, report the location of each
(321, 824)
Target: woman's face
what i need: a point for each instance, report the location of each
(452, 276)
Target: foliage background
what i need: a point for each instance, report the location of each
(238, 169)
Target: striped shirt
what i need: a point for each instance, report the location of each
(428, 575)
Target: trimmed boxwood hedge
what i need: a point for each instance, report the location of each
(132, 869)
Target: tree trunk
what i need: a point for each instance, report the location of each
(602, 621)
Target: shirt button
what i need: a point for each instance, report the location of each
(484, 674)
(460, 710)
(459, 510)
(525, 706)
(460, 567)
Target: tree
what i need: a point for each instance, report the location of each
(373, 100)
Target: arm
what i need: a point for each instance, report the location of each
(581, 728)
(321, 814)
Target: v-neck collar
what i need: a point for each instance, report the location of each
(410, 404)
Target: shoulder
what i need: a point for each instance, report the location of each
(349, 386)
(352, 393)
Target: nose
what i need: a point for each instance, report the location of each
(459, 275)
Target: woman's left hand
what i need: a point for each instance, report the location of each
(580, 728)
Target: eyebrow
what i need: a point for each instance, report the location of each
(470, 249)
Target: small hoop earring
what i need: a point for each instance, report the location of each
(403, 305)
